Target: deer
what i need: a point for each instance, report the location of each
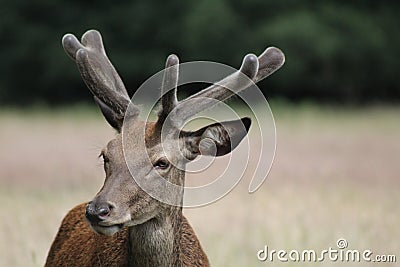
(124, 225)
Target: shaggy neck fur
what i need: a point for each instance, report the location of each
(157, 242)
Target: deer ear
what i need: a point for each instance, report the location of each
(109, 114)
(217, 139)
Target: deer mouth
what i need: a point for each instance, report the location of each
(108, 230)
(107, 227)
(111, 226)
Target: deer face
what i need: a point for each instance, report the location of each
(122, 201)
(146, 156)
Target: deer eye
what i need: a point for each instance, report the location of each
(161, 164)
(105, 160)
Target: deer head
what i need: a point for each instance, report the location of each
(160, 148)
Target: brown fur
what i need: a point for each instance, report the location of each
(77, 245)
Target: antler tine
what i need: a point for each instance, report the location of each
(270, 61)
(254, 68)
(97, 71)
(169, 86)
(219, 91)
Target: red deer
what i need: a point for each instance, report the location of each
(123, 225)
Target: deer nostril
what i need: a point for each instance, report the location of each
(97, 213)
(103, 212)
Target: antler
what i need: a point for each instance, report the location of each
(169, 87)
(110, 94)
(99, 74)
(256, 69)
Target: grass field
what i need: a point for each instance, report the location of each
(336, 175)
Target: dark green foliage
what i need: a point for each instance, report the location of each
(336, 50)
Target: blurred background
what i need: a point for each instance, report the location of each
(337, 51)
(335, 102)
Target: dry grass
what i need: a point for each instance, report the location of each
(336, 174)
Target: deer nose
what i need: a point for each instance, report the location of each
(97, 213)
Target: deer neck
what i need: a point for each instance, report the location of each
(157, 242)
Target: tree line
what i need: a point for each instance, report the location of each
(336, 51)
